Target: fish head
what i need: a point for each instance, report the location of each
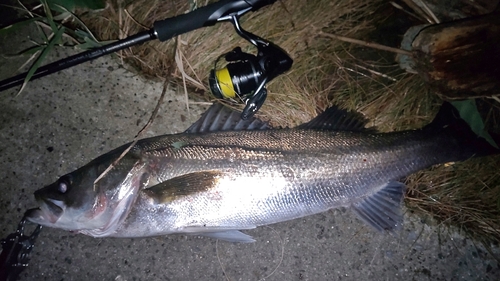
(71, 202)
(81, 202)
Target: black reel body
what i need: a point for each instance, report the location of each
(244, 77)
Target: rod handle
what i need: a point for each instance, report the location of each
(204, 16)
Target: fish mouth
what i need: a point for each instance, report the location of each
(48, 213)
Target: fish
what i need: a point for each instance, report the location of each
(224, 175)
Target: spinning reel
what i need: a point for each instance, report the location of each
(245, 76)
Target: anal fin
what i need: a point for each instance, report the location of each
(382, 210)
(234, 236)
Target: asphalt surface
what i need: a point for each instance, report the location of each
(62, 121)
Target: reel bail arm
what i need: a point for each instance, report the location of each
(246, 75)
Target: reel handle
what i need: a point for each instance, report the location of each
(254, 104)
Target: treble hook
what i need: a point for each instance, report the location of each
(16, 251)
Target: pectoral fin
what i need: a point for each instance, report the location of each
(180, 186)
(382, 210)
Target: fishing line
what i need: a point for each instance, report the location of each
(139, 134)
(282, 253)
(220, 262)
(282, 243)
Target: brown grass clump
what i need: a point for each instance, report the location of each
(325, 72)
(464, 195)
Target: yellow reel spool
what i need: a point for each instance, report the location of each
(225, 83)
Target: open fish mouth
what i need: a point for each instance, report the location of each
(48, 212)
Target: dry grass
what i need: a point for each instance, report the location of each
(325, 72)
(464, 195)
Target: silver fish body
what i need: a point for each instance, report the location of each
(240, 180)
(215, 183)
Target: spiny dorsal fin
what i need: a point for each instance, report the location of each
(222, 118)
(335, 119)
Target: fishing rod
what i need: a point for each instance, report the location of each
(162, 30)
(244, 78)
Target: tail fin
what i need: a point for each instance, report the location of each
(470, 144)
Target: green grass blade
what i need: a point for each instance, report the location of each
(72, 4)
(89, 44)
(468, 111)
(18, 25)
(48, 14)
(30, 50)
(62, 16)
(82, 24)
(57, 36)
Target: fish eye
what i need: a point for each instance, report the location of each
(63, 185)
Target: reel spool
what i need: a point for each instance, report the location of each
(244, 77)
(238, 78)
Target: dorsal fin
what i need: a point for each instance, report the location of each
(335, 119)
(222, 118)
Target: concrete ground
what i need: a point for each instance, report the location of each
(62, 121)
